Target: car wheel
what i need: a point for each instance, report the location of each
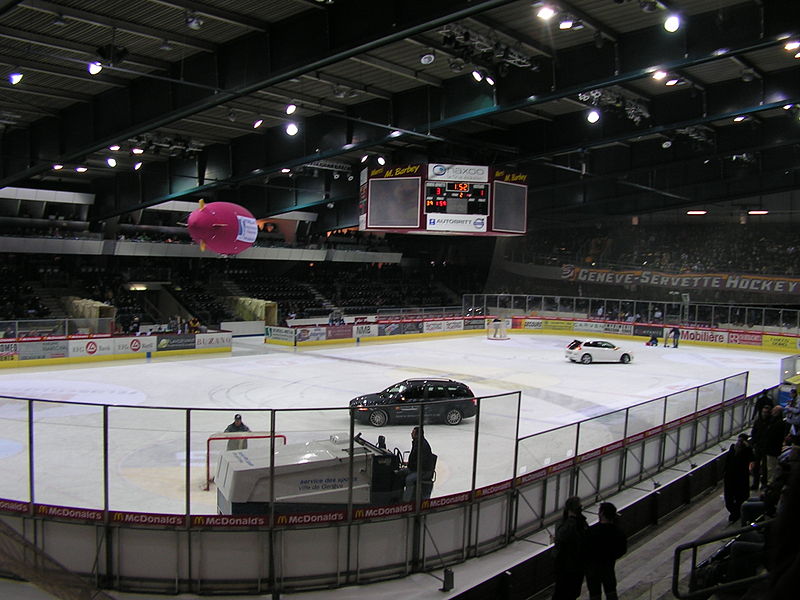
(625, 359)
(453, 416)
(378, 418)
(586, 359)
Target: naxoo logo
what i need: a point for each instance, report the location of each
(432, 221)
(439, 170)
(478, 223)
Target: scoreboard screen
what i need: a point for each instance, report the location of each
(457, 198)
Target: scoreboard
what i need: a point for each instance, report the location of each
(443, 199)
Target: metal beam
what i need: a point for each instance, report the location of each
(218, 14)
(39, 67)
(396, 69)
(112, 23)
(353, 85)
(47, 92)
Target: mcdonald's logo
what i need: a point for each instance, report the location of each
(359, 513)
(282, 519)
(198, 520)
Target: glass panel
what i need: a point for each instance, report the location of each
(709, 394)
(41, 328)
(68, 456)
(645, 416)
(735, 386)
(496, 439)
(534, 304)
(602, 430)
(583, 307)
(520, 305)
(147, 460)
(680, 404)
(14, 455)
(772, 318)
(8, 329)
(547, 448)
(705, 316)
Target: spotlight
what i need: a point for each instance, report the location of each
(58, 20)
(673, 81)
(137, 150)
(292, 129)
(477, 75)
(427, 58)
(111, 162)
(81, 169)
(456, 65)
(545, 13)
(193, 21)
(290, 108)
(286, 170)
(648, 5)
(739, 118)
(57, 167)
(381, 161)
(137, 166)
(659, 75)
(231, 116)
(111, 54)
(666, 144)
(336, 175)
(94, 67)
(258, 123)
(758, 212)
(793, 45)
(165, 46)
(672, 23)
(365, 158)
(350, 177)
(787, 106)
(566, 22)
(593, 116)
(696, 212)
(748, 75)
(15, 78)
(395, 134)
(490, 80)
(114, 147)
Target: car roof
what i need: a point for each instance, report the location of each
(429, 379)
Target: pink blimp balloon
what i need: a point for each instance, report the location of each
(223, 227)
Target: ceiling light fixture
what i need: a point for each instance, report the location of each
(758, 212)
(193, 20)
(593, 116)
(81, 169)
(365, 158)
(57, 167)
(696, 212)
(489, 80)
(456, 64)
(58, 20)
(793, 45)
(648, 5)
(258, 123)
(666, 144)
(290, 108)
(111, 162)
(672, 23)
(477, 75)
(673, 81)
(545, 13)
(395, 134)
(137, 150)
(566, 22)
(292, 129)
(659, 75)
(94, 67)
(381, 161)
(286, 170)
(137, 166)
(15, 77)
(165, 46)
(427, 58)
(114, 147)
(739, 118)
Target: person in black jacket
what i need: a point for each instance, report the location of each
(758, 439)
(606, 543)
(570, 551)
(737, 476)
(420, 455)
(774, 439)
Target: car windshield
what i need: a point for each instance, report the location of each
(397, 388)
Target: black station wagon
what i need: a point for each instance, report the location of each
(444, 400)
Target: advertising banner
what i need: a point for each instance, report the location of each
(648, 330)
(221, 339)
(557, 325)
(412, 327)
(230, 520)
(310, 334)
(433, 326)
(476, 223)
(330, 516)
(339, 332)
(477, 323)
(780, 342)
(389, 329)
(175, 342)
(153, 519)
(589, 326)
(444, 172)
(383, 511)
(704, 335)
(8, 351)
(618, 328)
(455, 325)
(135, 345)
(93, 347)
(365, 330)
(532, 324)
(744, 338)
(38, 350)
(280, 334)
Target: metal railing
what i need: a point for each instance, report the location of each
(55, 327)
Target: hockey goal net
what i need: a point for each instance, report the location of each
(496, 329)
(218, 443)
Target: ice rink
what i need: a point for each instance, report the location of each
(147, 454)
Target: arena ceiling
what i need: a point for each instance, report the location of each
(186, 82)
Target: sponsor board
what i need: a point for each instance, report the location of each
(376, 512)
(443, 501)
(434, 222)
(8, 351)
(92, 347)
(175, 342)
(432, 326)
(412, 327)
(135, 345)
(704, 335)
(390, 329)
(365, 330)
(230, 521)
(744, 338)
(154, 519)
(648, 330)
(444, 172)
(491, 490)
(456, 325)
(557, 325)
(279, 334)
(222, 339)
(531, 477)
(14, 506)
(68, 512)
(476, 323)
(310, 518)
(780, 342)
(532, 324)
(310, 334)
(339, 332)
(590, 326)
(618, 328)
(46, 349)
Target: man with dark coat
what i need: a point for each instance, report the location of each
(606, 543)
(421, 455)
(570, 551)
(774, 439)
(758, 439)
(737, 476)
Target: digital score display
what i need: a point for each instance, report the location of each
(457, 198)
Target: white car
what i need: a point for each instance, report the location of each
(589, 351)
